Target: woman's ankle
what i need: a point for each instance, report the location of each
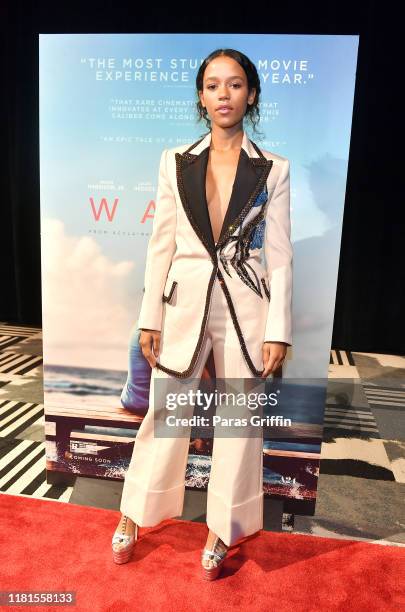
(127, 524)
(211, 539)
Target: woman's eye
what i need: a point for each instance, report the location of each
(234, 84)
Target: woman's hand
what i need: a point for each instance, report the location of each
(273, 356)
(148, 339)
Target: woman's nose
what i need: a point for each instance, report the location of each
(223, 93)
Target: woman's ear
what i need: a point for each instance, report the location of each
(252, 95)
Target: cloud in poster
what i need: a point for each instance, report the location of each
(87, 312)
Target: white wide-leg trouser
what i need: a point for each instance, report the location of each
(154, 485)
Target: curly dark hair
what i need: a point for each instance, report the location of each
(252, 111)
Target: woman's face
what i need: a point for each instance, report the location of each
(225, 84)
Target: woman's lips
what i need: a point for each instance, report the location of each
(224, 111)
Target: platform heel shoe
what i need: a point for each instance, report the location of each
(123, 543)
(215, 555)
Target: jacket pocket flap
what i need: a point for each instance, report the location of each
(166, 297)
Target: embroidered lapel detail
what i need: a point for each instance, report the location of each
(251, 175)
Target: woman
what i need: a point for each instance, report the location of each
(219, 202)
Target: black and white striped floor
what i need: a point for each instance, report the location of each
(385, 397)
(22, 423)
(355, 428)
(22, 471)
(14, 363)
(22, 331)
(350, 421)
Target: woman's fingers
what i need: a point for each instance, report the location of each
(273, 357)
(150, 344)
(156, 344)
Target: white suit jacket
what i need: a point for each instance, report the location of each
(183, 259)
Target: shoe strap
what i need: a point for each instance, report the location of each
(121, 537)
(209, 554)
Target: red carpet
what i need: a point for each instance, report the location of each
(48, 545)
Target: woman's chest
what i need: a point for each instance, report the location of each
(219, 182)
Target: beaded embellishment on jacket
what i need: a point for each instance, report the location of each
(250, 236)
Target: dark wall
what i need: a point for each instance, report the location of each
(370, 301)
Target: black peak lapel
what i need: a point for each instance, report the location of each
(191, 172)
